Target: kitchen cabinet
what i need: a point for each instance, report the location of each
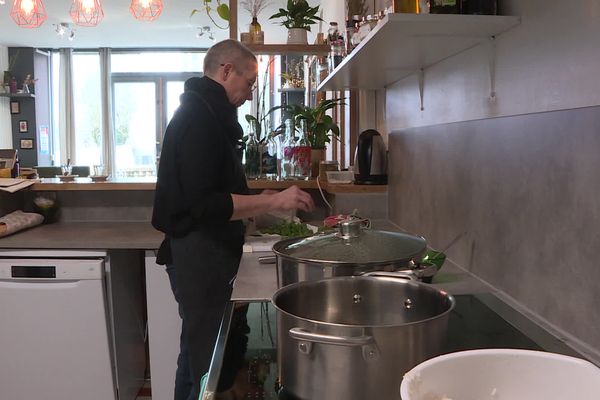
(402, 44)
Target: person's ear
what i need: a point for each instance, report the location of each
(227, 71)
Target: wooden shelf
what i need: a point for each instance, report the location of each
(291, 90)
(86, 184)
(402, 44)
(18, 95)
(300, 49)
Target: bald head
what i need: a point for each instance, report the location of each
(228, 52)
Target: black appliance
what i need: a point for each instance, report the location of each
(370, 159)
(245, 358)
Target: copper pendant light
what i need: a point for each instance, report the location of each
(28, 13)
(86, 12)
(146, 10)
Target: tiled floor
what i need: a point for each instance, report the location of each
(145, 392)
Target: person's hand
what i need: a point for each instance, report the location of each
(293, 198)
(269, 191)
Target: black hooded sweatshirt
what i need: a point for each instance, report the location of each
(200, 166)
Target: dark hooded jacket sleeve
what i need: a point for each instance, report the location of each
(200, 166)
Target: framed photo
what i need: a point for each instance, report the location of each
(27, 143)
(23, 127)
(15, 107)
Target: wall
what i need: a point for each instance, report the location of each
(524, 186)
(5, 128)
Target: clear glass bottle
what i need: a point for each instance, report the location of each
(301, 155)
(333, 32)
(252, 154)
(287, 151)
(270, 158)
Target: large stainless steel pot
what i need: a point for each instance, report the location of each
(353, 250)
(355, 337)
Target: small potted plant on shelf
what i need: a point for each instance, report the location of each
(320, 127)
(298, 17)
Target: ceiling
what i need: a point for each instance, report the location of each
(118, 29)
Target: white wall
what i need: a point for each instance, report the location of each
(5, 126)
(549, 62)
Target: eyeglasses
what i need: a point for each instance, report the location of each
(252, 83)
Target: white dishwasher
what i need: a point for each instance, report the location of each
(56, 333)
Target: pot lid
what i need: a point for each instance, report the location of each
(354, 244)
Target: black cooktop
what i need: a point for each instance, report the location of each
(244, 365)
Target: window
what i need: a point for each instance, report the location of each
(145, 87)
(87, 109)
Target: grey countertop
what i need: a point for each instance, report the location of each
(86, 235)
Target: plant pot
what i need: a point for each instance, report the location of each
(316, 156)
(297, 36)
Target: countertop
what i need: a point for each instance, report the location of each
(86, 235)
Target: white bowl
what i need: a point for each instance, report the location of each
(502, 374)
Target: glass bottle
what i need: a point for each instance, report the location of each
(332, 33)
(480, 7)
(301, 155)
(256, 33)
(270, 158)
(406, 6)
(287, 151)
(252, 154)
(444, 6)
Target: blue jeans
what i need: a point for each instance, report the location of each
(183, 376)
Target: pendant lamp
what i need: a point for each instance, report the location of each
(146, 10)
(86, 12)
(28, 13)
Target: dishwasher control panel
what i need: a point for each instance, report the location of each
(48, 268)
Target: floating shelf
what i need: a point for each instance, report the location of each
(402, 44)
(300, 49)
(284, 90)
(18, 95)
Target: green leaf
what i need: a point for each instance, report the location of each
(223, 11)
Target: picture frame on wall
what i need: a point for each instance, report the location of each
(26, 143)
(23, 126)
(15, 107)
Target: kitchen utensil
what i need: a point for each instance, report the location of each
(352, 250)
(370, 159)
(502, 374)
(354, 337)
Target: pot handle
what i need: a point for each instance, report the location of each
(302, 334)
(267, 259)
(405, 274)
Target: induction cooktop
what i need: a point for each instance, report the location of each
(244, 364)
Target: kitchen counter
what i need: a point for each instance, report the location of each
(86, 235)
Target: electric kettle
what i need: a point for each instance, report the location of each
(370, 160)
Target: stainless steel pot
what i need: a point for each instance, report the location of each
(353, 250)
(355, 337)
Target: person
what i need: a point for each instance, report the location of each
(201, 199)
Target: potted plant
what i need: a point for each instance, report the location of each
(222, 10)
(320, 127)
(298, 17)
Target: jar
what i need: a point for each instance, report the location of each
(327, 165)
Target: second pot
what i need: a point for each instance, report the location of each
(355, 337)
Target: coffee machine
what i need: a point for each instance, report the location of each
(370, 159)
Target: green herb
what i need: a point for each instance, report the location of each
(434, 257)
(288, 229)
